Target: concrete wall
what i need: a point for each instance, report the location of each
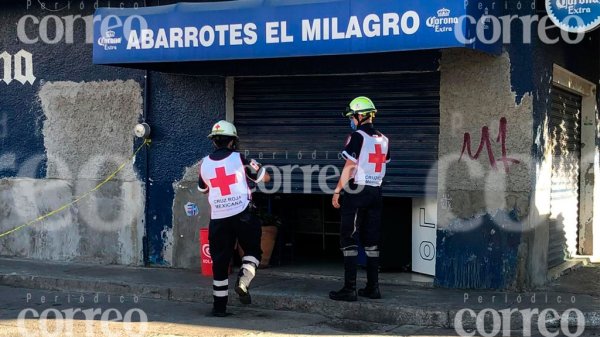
(61, 132)
(186, 226)
(484, 169)
(87, 136)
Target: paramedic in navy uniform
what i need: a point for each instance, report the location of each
(366, 155)
(224, 176)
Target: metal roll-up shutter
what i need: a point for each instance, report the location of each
(298, 120)
(565, 138)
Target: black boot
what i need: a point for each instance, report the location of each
(243, 292)
(245, 277)
(372, 288)
(348, 292)
(219, 313)
(370, 291)
(219, 307)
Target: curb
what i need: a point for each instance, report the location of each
(368, 311)
(363, 311)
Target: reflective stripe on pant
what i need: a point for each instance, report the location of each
(372, 251)
(220, 288)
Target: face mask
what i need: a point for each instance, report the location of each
(352, 125)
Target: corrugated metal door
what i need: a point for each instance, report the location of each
(565, 137)
(298, 121)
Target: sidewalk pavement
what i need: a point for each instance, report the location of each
(402, 304)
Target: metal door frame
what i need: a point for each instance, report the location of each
(589, 162)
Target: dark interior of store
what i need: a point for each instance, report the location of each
(309, 230)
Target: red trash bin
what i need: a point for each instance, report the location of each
(205, 253)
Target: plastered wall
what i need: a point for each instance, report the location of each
(87, 136)
(484, 171)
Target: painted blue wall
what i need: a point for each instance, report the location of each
(21, 135)
(485, 257)
(182, 109)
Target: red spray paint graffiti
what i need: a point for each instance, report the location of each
(485, 140)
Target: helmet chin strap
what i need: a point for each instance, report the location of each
(360, 121)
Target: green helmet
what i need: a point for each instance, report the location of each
(361, 106)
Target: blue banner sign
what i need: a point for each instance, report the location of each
(251, 29)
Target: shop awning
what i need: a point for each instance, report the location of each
(260, 29)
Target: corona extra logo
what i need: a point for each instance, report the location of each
(575, 16)
(443, 13)
(443, 22)
(109, 41)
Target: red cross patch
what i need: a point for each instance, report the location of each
(223, 181)
(377, 158)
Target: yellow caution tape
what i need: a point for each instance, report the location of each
(78, 199)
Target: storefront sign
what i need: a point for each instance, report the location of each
(575, 16)
(250, 29)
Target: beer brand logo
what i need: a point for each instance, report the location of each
(109, 41)
(575, 16)
(442, 22)
(443, 13)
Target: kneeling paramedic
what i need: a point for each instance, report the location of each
(366, 155)
(224, 176)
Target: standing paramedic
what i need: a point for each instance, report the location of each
(358, 193)
(224, 176)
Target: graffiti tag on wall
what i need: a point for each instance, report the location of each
(487, 142)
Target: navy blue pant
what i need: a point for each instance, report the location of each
(361, 217)
(361, 221)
